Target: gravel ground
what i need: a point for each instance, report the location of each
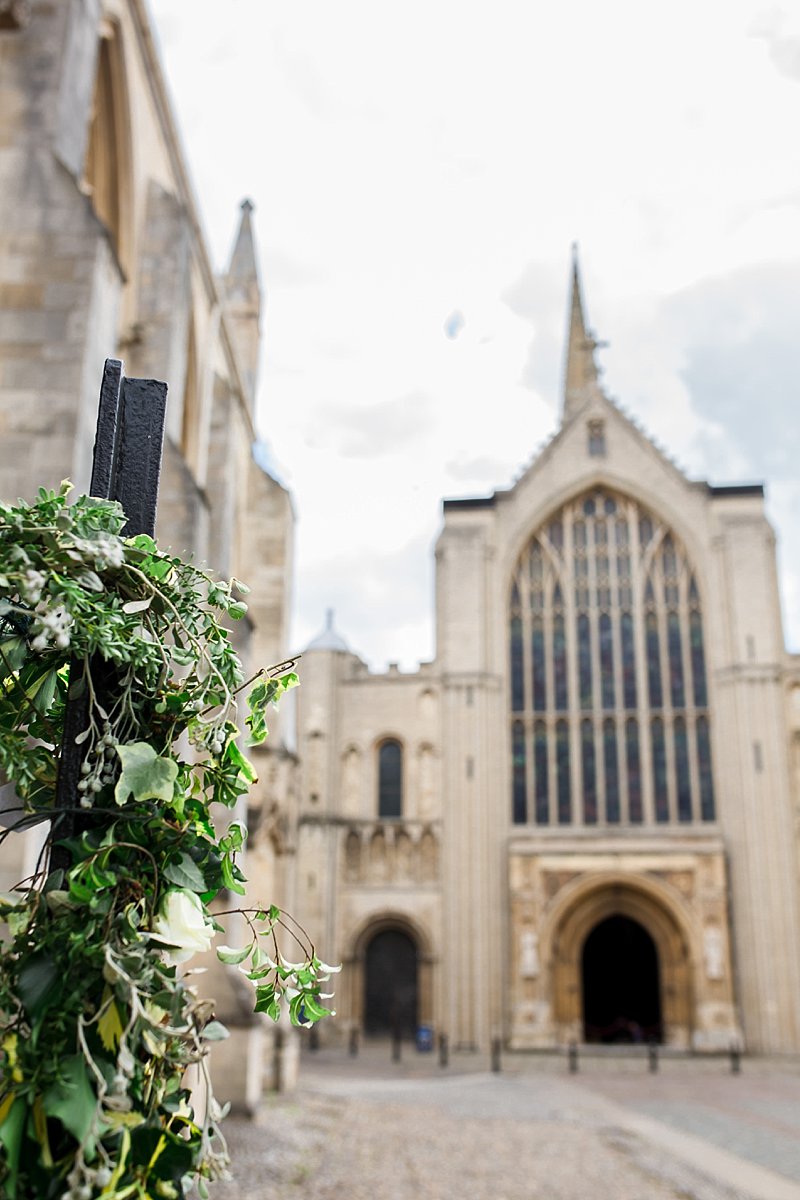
(473, 1137)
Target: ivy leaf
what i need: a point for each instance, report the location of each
(145, 775)
(38, 983)
(11, 1133)
(185, 873)
(230, 956)
(110, 1026)
(72, 1100)
(14, 651)
(135, 606)
(215, 1031)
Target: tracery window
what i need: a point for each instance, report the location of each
(390, 779)
(607, 675)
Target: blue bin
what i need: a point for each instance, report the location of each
(424, 1039)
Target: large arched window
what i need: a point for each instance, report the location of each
(390, 779)
(607, 679)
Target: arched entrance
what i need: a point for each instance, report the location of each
(618, 908)
(620, 983)
(391, 983)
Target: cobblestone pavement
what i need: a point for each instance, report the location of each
(367, 1129)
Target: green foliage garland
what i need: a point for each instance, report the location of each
(97, 1027)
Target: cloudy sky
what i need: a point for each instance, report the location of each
(419, 172)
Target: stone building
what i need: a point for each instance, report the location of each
(102, 254)
(578, 821)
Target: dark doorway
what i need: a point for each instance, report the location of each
(390, 983)
(621, 987)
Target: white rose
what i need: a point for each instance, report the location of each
(182, 925)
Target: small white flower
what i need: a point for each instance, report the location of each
(182, 925)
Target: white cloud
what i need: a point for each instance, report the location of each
(411, 163)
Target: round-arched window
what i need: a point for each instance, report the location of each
(390, 779)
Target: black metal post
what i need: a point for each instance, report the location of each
(652, 1057)
(313, 1038)
(497, 1047)
(443, 1050)
(736, 1059)
(572, 1058)
(353, 1043)
(126, 466)
(397, 1042)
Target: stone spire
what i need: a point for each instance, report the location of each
(242, 293)
(581, 376)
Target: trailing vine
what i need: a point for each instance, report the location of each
(97, 1024)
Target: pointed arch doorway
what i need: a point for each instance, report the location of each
(620, 983)
(391, 983)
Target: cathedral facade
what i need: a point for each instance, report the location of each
(577, 822)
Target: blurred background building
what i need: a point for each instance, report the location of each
(578, 822)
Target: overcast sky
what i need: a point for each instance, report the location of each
(419, 171)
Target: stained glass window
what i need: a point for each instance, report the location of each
(517, 679)
(589, 774)
(537, 654)
(520, 787)
(704, 767)
(635, 814)
(540, 772)
(628, 660)
(660, 786)
(390, 779)
(675, 660)
(562, 773)
(698, 658)
(604, 610)
(611, 769)
(584, 661)
(653, 660)
(682, 777)
(606, 661)
(559, 663)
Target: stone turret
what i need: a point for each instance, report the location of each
(242, 298)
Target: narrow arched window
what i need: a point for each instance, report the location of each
(390, 779)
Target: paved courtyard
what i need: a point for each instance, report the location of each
(371, 1129)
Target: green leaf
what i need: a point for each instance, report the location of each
(11, 1132)
(39, 982)
(145, 775)
(72, 1100)
(135, 606)
(39, 682)
(185, 873)
(230, 956)
(215, 1031)
(13, 652)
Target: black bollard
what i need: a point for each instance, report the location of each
(652, 1057)
(397, 1041)
(572, 1055)
(736, 1059)
(443, 1050)
(497, 1046)
(353, 1044)
(313, 1038)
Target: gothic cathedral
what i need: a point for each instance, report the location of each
(576, 823)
